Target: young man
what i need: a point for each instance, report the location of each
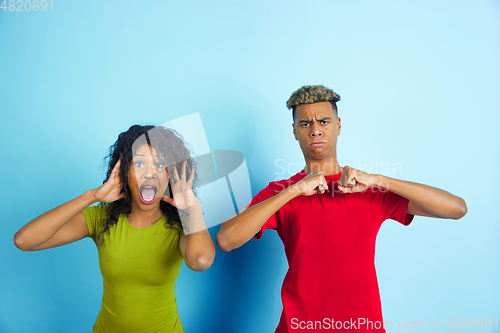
(328, 218)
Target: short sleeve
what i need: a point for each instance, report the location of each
(272, 222)
(395, 207)
(93, 217)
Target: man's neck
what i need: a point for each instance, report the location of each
(328, 167)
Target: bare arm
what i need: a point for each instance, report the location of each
(66, 224)
(242, 227)
(197, 247)
(426, 200)
(423, 200)
(59, 226)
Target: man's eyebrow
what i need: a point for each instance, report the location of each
(310, 121)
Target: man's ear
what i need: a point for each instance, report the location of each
(338, 126)
(295, 132)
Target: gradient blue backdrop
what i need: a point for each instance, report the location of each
(419, 81)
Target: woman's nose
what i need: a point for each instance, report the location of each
(150, 171)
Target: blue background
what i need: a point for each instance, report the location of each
(419, 81)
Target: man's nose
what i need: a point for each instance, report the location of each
(316, 129)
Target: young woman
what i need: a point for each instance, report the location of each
(148, 222)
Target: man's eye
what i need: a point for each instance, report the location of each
(138, 164)
(324, 122)
(304, 125)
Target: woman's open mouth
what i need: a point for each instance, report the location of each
(147, 192)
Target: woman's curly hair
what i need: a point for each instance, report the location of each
(170, 145)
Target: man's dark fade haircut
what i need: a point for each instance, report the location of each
(311, 95)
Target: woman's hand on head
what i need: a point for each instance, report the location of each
(111, 190)
(182, 189)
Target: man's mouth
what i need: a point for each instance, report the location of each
(317, 144)
(147, 192)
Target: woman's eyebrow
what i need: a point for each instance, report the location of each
(157, 155)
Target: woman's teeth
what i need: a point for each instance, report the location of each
(148, 193)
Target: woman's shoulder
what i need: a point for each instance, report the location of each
(94, 217)
(174, 225)
(99, 211)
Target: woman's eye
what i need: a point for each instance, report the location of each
(159, 166)
(138, 164)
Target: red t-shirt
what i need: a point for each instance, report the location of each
(329, 243)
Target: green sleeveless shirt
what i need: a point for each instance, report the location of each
(139, 268)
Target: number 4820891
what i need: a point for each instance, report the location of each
(27, 5)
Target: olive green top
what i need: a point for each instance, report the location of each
(139, 268)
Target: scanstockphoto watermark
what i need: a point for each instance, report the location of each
(352, 324)
(367, 324)
(383, 168)
(386, 169)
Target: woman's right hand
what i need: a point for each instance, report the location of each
(111, 190)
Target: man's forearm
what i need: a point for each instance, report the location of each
(242, 227)
(433, 200)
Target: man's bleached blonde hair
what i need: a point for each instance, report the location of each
(311, 95)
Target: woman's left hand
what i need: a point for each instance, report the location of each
(182, 190)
